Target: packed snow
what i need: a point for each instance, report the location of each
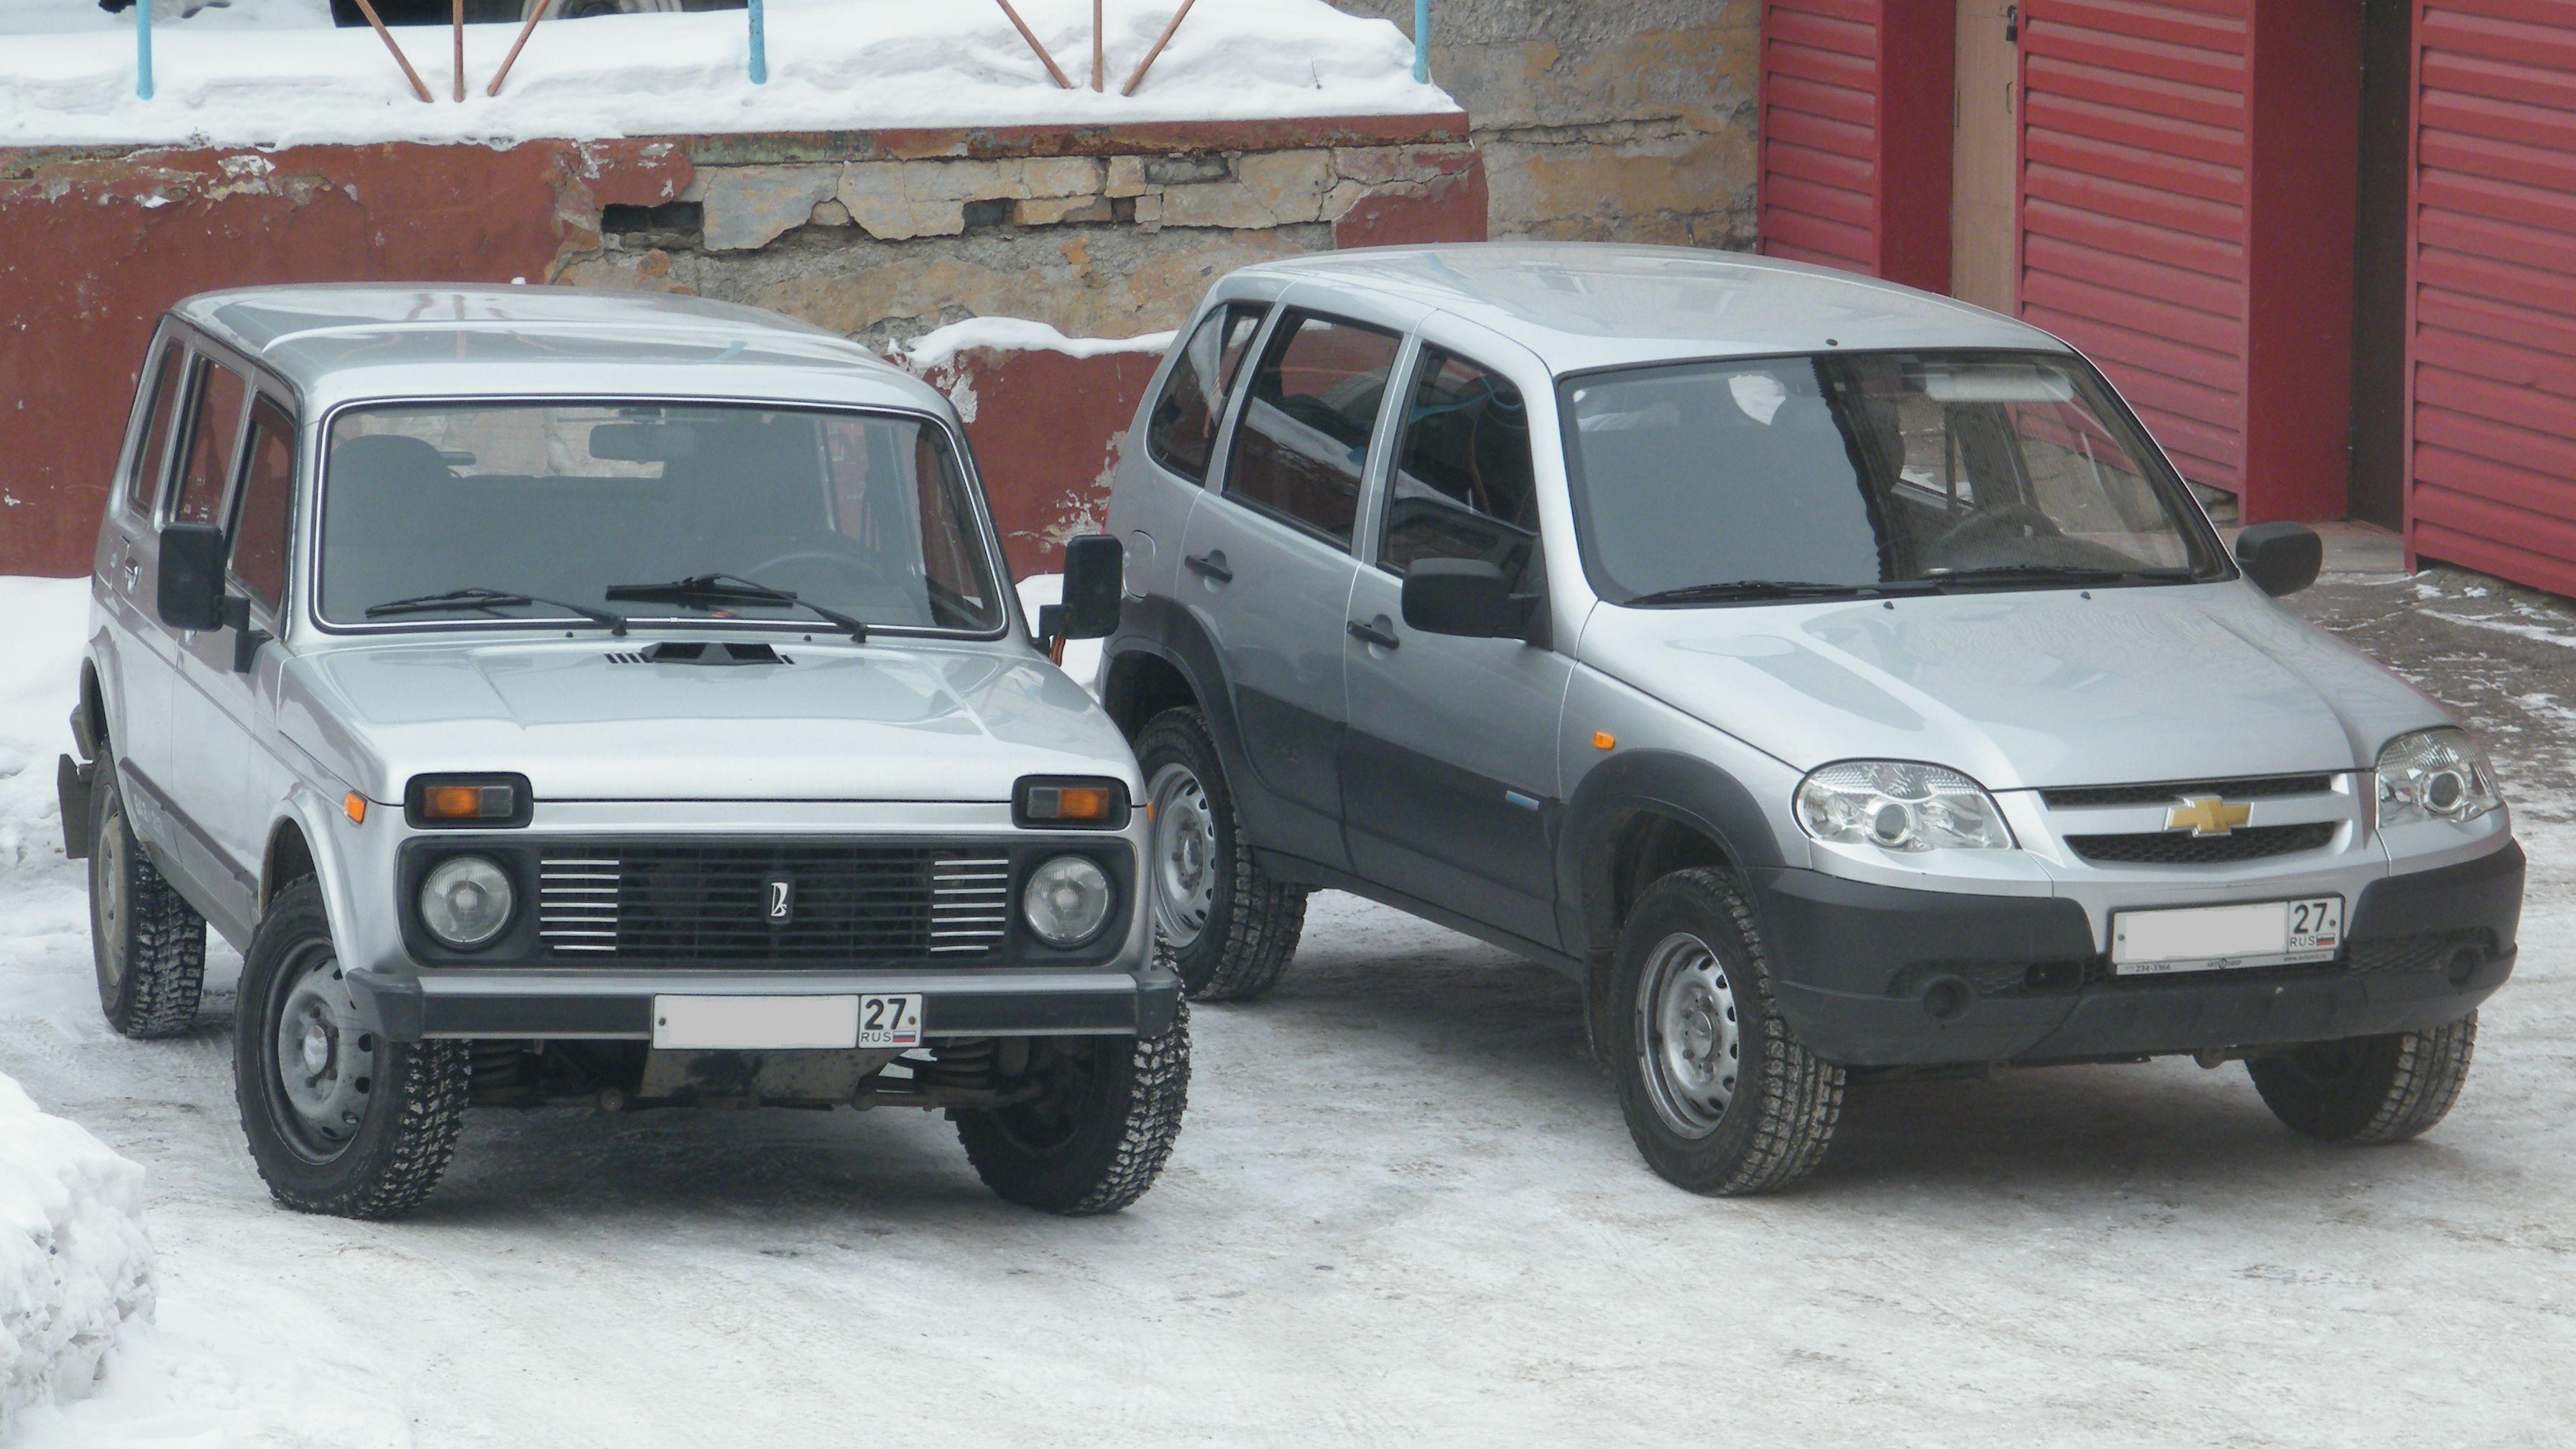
(1402, 1210)
(75, 1264)
(276, 72)
(937, 349)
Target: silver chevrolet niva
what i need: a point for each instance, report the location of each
(563, 695)
(1830, 677)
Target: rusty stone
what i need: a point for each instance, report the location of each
(748, 206)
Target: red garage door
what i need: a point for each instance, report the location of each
(2492, 368)
(2134, 208)
(1855, 169)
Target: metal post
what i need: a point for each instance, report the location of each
(1422, 42)
(759, 47)
(143, 48)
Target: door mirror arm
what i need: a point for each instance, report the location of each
(1095, 579)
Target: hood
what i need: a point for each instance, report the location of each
(881, 721)
(2022, 690)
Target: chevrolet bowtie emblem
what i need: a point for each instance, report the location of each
(2207, 815)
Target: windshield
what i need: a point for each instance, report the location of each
(556, 504)
(1883, 472)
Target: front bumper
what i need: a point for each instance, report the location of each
(618, 1005)
(1874, 975)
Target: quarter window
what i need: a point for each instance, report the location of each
(1181, 433)
(260, 528)
(212, 427)
(1464, 486)
(1303, 444)
(151, 449)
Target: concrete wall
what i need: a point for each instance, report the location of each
(1604, 120)
(1108, 232)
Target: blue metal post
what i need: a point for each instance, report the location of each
(759, 47)
(1421, 40)
(143, 48)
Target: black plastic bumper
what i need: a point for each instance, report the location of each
(1881, 976)
(558, 1005)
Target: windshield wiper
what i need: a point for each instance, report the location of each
(715, 590)
(1744, 589)
(491, 599)
(2065, 574)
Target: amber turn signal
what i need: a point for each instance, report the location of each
(1604, 740)
(1095, 804)
(463, 800)
(354, 805)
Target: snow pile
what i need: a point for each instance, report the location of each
(934, 350)
(275, 72)
(75, 1266)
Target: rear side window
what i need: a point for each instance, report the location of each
(212, 426)
(151, 449)
(267, 501)
(1464, 483)
(1181, 434)
(1303, 445)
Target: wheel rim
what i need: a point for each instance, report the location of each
(1185, 854)
(108, 903)
(1689, 1040)
(321, 1067)
(1056, 1117)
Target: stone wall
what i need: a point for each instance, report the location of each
(1604, 120)
(881, 236)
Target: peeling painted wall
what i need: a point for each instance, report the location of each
(880, 236)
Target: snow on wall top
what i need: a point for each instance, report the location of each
(276, 72)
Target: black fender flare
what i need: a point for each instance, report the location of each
(1159, 628)
(1683, 788)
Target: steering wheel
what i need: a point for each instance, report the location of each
(795, 558)
(1986, 522)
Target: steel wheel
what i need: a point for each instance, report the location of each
(1688, 1036)
(323, 1068)
(1185, 854)
(110, 900)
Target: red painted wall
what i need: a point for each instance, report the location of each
(2491, 365)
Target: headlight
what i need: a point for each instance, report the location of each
(2438, 774)
(1067, 900)
(466, 901)
(1896, 805)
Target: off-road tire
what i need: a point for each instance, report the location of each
(2369, 1089)
(161, 936)
(1254, 923)
(1122, 1136)
(1776, 1128)
(413, 1113)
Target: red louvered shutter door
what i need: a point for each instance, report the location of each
(1855, 128)
(2491, 365)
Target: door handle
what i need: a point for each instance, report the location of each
(1210, 566)
(1373, 634)
(133, 572)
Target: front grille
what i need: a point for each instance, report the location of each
(712, 902)
(2181, 847)
(2267, 787)
(2416, 953)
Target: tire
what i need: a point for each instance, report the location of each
(2369, 1089)
(1752, 1110)
(1231, 939)
(147, 944)
(407, 1099)
(1099, 1138)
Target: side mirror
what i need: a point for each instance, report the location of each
(1467, 597)
(191, 586)
(2281, 558)
(1095, 577)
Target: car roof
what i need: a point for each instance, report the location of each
(1586, 305)
(343, 342)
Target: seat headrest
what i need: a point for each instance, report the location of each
(388, 459)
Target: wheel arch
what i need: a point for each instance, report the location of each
(1639, 817)
(1160, 643)
(299, 847)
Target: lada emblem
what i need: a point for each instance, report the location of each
(2207, 815)
(782, 899)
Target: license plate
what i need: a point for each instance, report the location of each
(889, 1021)
(2218, 938)
(756, 1023)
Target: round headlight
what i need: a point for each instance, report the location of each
(466, 901)
(1067, 900)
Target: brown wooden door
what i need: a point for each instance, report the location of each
(1983, 158)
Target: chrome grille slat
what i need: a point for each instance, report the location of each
(707, 901)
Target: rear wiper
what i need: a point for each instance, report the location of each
(714, 590)
(1741, 589)
(2068, 574)
(491, 599)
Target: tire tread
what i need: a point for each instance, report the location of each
(1259, 921)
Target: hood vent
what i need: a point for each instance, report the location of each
(674, 651)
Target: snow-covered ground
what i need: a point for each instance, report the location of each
(1403, 1210)
(75, 1262)
(276, 72)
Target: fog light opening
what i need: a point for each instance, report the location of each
(1946, 997)
(2464, 963)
